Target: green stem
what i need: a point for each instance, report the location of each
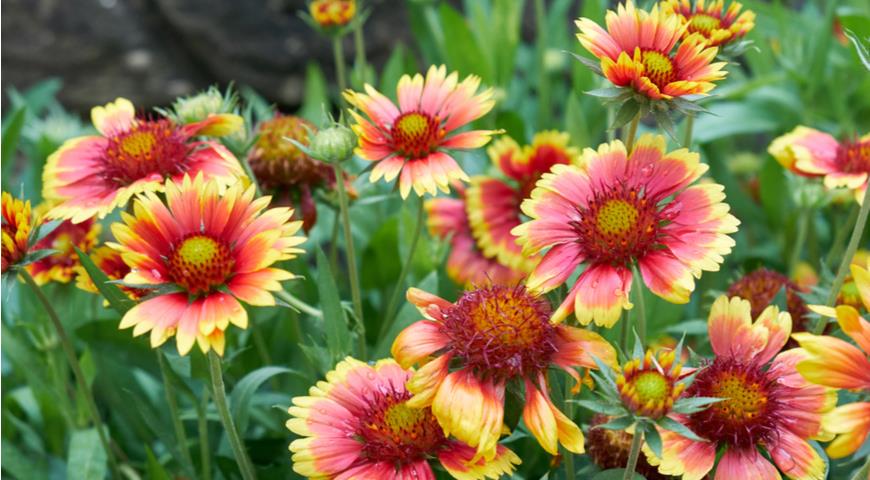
(400, 282)
(174, 413)
(202, 427)
(636, 442)
(797, 248)
(839, 242)
(359, 45)
(355, 294)
(543, 79)
(690, 123)
(640, 320)
(341, 79)
(863, 473)
(73, 360)
(298, 304)
(857, 232)
(261, 347)
(220, 401)
(569, 412)
(632, 132)
(333, 242)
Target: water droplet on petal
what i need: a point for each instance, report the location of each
(594, 284)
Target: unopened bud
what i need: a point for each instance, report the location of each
(333, 144)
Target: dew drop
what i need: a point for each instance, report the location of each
(647, 170)
(594, 284)
(156, 273)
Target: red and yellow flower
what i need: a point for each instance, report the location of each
(110, 262)
(766, 404)
(812, 153)
(214, 249)
(466, 264)
(332, 13)
(411, 140)
(761, 287)
(615, 210)
(358, 424)
(17, 227)
(91, 176)
(471, 349)
(836, 363)
(718, 25)
(61, 266)
(638, 51)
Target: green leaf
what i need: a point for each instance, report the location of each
(619, 423)
(615, 474)
(670, 424)
(86, 459)
(153, 467)
(653, 439)
(335, 323)
(462, 51)
(243, 392)
(11, 133)
(663, 119)
(21, 465)
(607, 92)
(860, 47)
(316, 99)
(119, 301)
(694, 404)
(625, 114)
(773, 197)
(610, 410)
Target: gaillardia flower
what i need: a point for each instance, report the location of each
(61, 265)
(332, 13)
(718, 26)
(638, 51)
(761, 287)
(358, 425)
(618, 209)
(93, 175)
(411, 141)
(212, 249)
(812, 153)
(836, 363)
(109, 261)
(466, 264)
(649, 386)
(17, 227)
(470, 350)
(766, 404)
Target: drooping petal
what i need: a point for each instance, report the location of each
(418, 341)
(472, 410)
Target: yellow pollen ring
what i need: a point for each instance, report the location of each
(742, 401)
(703, 23)
(616, 217)
(413, 125)
(138, 143)
(401, 418)
(199, 251)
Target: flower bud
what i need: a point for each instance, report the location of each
(333, 144)
(332, 13)
(198, 107)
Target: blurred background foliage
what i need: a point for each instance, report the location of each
(800, 71)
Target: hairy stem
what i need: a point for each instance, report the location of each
(180, 434)
(220, 401)
(632, 132)
(355, 294)
(636, 442)
(393, 306)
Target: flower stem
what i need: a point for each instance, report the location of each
(298, 304)
(171, 401)
(220, 401)
(359, 45)
(690, 123)
(202, 426)
(839, 242)
(340, 78)
(863, 472)
(400, 282)
(800, 239)
(636, 442)
(543, 79)
(857, 232)
(640, 319)
(355, 294)
(632, 132)
(73, 360)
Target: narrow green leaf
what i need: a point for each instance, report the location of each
(86, 458)
(607, 92)
(243, 392)
(11, 133)
(677, 427)
(653, 439)
(625, 114)
(153, 467)
(619, 423)
(335, 323)
(316, 95)
(120, 302)
(601, 407)
(861, 47)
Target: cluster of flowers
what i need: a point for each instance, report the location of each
(195, 239)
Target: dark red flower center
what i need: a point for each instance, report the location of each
(200, 263)
(416, 134)
(761, 287)
(658, 67)
(150, 147)
(276, 162)
(748, 415)
(393, 432)
(703, 24)
(854, 157)
(618, 225)
(501, 332)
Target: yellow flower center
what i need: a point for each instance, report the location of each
(392, 432)
(616, 217)
(653, 386)
(404, 420)
(704, 24)
(415, 134)
(138, 144)
(658, 68)
(743, 400)
(200, 263)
